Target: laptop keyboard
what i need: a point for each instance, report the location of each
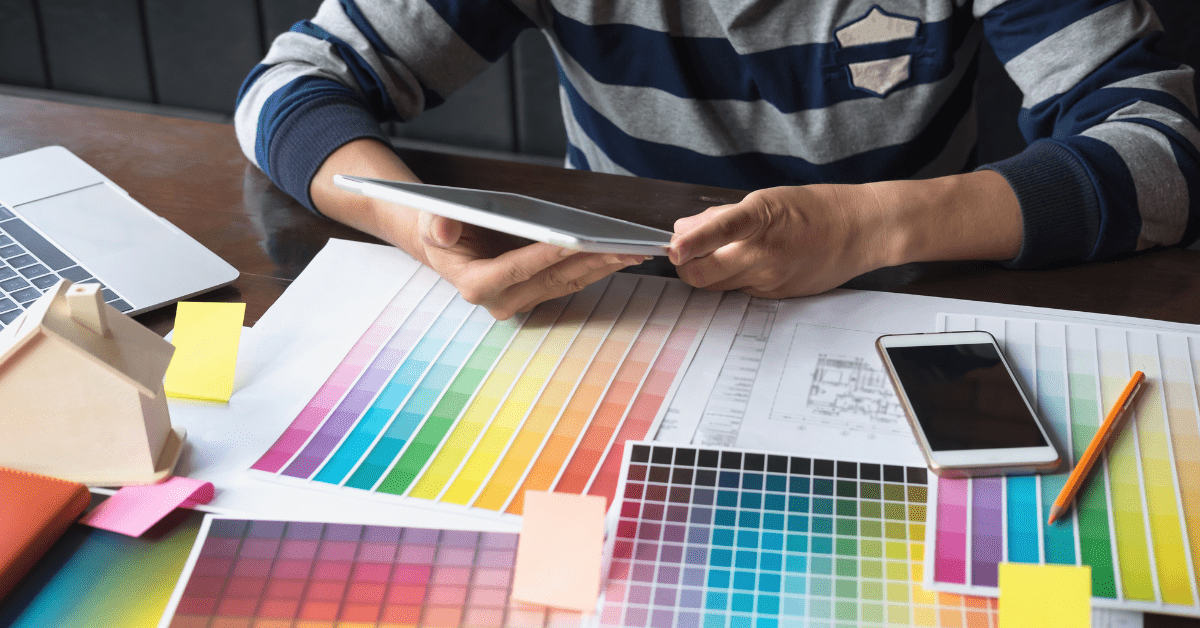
(29, 264)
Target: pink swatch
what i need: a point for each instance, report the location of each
(134, 509)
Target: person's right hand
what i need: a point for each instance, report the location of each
(502, 273)
(505, 274)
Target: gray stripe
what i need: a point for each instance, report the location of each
(1162, 194)
(1177, 82)
(725, 127)
(1161, 114)
(690, 18)
(305, 55)
(426, 45)
(302, 51)
(598, 161)
(245, 119)
(750, 25)
(1057, 63)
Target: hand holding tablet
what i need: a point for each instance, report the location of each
(518, 215)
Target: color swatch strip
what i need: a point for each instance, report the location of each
(347, 372)
(418, 404)
(1137, 521)
(383, 370)
(277, 573)
(654, 393)
(552, 405)
(447, 405)
(719, 537)
(564, 439)
(408, 396)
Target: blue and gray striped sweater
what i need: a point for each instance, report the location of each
(754, 93)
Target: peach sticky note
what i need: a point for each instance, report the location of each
(1045, 595)
(134, 509)
(206, 346)
(559, 551)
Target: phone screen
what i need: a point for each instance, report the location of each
(964, 398)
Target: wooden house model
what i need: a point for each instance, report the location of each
(81, 392)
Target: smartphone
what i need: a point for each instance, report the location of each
(965, 406)
(518, 215)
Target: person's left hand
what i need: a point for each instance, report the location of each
(784, 241)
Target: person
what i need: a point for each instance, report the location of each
(853, 122)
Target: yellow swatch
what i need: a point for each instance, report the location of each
(1045, 595)
(559, 551)
(206, 345)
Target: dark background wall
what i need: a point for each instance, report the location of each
(192, 56)
(189, 58)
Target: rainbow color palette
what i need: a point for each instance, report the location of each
(1137, 520)
(732, 538)
(440, 403)
(271, 574)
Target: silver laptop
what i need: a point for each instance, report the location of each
(61, 218)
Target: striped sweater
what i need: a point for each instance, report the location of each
(749, 94)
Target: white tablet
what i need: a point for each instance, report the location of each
(518, 215)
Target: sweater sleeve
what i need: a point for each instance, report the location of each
(1113, 162)
(358, 63)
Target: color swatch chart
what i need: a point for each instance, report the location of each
(720, 537)
(440, 402)
(1137, 520)
(271, 574)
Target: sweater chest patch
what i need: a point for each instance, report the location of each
(878, 76)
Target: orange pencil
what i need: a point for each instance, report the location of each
(1099, 442)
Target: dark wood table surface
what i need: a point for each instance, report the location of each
(193, 174)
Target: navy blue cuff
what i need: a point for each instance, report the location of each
(1059, 205)
(309, 135)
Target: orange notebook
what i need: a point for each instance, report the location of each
(34, 511)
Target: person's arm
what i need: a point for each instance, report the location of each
(1113, 162)
(799, 240)
(313, 108)
(1113, 166)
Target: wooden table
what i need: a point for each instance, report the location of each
(193, 174)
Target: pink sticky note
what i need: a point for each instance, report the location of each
(134, 509)
(559, 552)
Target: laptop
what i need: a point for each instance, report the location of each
(61, 219)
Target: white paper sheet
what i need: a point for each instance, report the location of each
(683, 416)
(297, 354)
(825, 387)
(767, 366)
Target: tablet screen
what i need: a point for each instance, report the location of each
(561, 218)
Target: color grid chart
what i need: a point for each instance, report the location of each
(270, 574)
(440, 403)
(1137, 520)
(721, 537)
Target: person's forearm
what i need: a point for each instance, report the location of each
(966, 216)
(387, 221)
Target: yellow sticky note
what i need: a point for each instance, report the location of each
(206, 345)
(1058, 596)
(559, 551)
